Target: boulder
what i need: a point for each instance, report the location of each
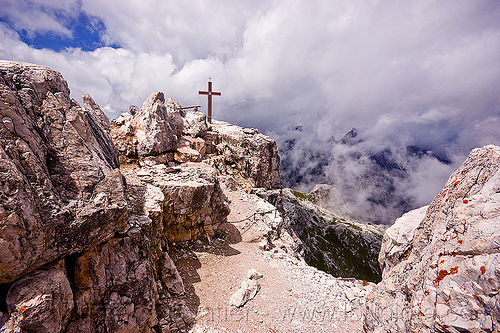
(248, 290)
(175, 116)
(153, 131)
(40, 302)
(449, 279)
(195, 124)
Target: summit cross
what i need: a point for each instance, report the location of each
(210, 93)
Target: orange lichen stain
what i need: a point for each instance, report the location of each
(442, 261)
(466, 201)
(454, 254)
(426, 293)
(460, 241)
(440, 254)
(420, 312)
(463, 172)
(475, 296)
(365, 283)
(23, 308)
(456, 183)
(483, 269)
(441, 275)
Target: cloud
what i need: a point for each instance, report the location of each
(421, 73)
(39, 16)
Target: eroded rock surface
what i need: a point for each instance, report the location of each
(59, 192)
(449, 278)
(244, 156)
(40, 301)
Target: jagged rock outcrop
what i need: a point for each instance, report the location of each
(398, 239)
(60, 192)
(335, 245)
(84, 240)
(446, 278)
(147, 132)
(244, 156)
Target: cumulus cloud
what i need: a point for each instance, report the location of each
(414, 73)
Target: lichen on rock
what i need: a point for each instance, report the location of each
(448, 280)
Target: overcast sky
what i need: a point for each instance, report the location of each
(421, 72)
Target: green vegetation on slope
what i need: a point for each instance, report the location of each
(334, 245)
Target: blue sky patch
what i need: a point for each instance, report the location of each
(87, 33)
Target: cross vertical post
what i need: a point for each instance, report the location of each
(210, 93)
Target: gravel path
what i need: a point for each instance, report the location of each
(293, 296)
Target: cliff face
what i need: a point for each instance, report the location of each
(326, 241)
(60, 190)
(441, 263)
(85, 227)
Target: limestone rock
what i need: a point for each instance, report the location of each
(450, 279)
(95, 110)
(189, 149)
(162, 133)
(253, 274)
(40, 302)
(398, 239)
(147, 132)
(58, 194)
(115, 285)
(248, 290)
(244, 153)
(170, 276)
(196, 124)
(63, 194)
(175, 116)
(194, 202)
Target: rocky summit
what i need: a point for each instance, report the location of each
(160, 222)
(90, 207)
